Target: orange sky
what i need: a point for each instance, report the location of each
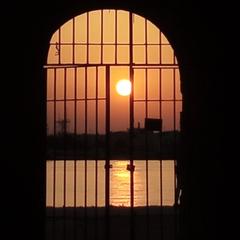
(111, 53)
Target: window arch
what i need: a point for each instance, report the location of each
(87, 120)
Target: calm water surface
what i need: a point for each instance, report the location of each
(119, 183)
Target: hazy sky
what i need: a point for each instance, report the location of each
(75, 43)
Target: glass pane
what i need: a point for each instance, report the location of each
(60, 84)
(94, 54)
(139, 84)
(50, 118)
(139, 54)
(167, 54)
(50, 84)
(123, 54)
(81, 28)
(91, 82)
(101, 82)
(81, 83)
(80, 54)
(108, 26)
(153, 54)
(59, 191)
(167, 84)
(80, 183)
(66, 54)
(123, 27)
(94, 27)
(152, 33)
(69, 183)
(153, 109)
(66, 32)
(90, 183)
(153, 84)
(70, 88)
(138, 30)
(108, 54)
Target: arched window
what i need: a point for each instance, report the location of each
(108, 148)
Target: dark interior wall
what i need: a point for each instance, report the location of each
(197, 36)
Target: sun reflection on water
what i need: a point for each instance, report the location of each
(120, 186)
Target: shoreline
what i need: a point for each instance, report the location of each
(113, 210)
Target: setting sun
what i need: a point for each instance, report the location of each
(123, 87)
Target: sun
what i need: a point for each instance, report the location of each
(124, 87)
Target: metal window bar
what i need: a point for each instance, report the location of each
(146, 134)
(96, 159)
(86, 100)
(75, 150)
(85, 148)
(102, 30)
(160, 152)
(132, 219)
(146, 156)
(54, 160)
(107, 161)
(73, 40)
(116, 35)
(87, 43)
(58, 46)
(64, 153)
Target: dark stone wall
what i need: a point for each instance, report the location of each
(199, 41)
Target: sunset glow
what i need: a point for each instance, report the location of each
(123, 87)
